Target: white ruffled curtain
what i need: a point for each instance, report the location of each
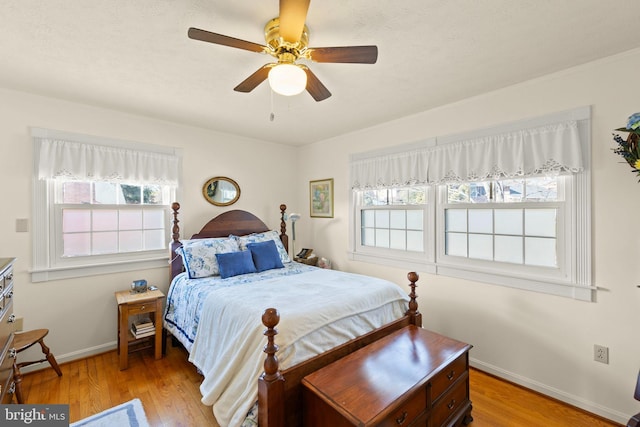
(546, 150)
(90, 162)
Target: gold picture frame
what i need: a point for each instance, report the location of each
(321, 198)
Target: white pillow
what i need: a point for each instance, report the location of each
(199, 255)
(263, 237)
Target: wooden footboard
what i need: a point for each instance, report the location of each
(280, 392)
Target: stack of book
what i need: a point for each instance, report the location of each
(143, 328)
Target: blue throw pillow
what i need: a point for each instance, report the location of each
(235, 263)
(265, 255)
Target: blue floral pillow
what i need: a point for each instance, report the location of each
(265, 255)
(263, 237)
(199, 255)
(235, 263)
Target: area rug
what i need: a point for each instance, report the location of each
(128, 414)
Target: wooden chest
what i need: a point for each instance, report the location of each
(7, 322)
(413, 377)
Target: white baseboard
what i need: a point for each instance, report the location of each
(565, 397)
(68, 357)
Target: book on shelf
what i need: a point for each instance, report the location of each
(143, 328)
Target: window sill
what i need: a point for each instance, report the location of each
(45, 275)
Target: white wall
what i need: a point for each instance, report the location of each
(81, 313)
(543, 342)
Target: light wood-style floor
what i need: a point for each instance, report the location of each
(168, 389)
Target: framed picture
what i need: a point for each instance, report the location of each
(321, 197)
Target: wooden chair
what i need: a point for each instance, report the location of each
(21, 342)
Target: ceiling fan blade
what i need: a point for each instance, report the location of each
(315, 87)
(207, 36)
(251, 82)
(293, 14)
(346, 54)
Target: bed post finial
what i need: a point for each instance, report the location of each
(175, 206)
(271, 382)
(283, 227)
(415, 316)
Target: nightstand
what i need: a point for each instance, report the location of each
(130, 304)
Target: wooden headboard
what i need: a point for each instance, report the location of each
(236, 222)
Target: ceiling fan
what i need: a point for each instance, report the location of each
(287, 39)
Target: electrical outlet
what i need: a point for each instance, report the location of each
(601, 353)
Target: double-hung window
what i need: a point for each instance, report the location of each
(100, 205)
(507, 205)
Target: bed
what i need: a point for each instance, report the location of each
(222, 313)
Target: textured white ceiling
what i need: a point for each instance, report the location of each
(135, 56)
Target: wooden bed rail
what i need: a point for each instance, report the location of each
(280, 392)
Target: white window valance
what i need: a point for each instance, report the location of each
(548, 149)
(60, 159)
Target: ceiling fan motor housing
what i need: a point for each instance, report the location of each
(285, 52)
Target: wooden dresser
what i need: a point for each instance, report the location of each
(413, 377)
(7, 320)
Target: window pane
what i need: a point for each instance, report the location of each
(368, 218)
(479, 192)
(153, 239)
(415, 220)
(369, 198)
(153, 218)
(130, 241)
(105, 243)
(540, 222)
(456, 220)
(399, 196)
(510, 190)
(542, 189)
(105, 193)
(382, 238)
(458, 193)
(480, 220)
(398, 239)
(130, 219)
(131, 194)
(456, 244)
(415, 241)
(417, 196)
(76, 244)
(508, 221)
(368, 237)
(76, 192)
(382, 219)
(398, 219)
(382, 197)
(153, 195)
(480, 246)
(105, 220)
(508, 249)
(540, 251)
(74, 220)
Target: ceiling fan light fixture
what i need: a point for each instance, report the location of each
(287, 79)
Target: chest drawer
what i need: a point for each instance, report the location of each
(450, 403)
(407, 411)
(448, 376)
(7, 357)
(6, 321)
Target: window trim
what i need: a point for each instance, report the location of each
(43, 217)
(577, 235)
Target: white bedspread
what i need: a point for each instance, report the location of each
(319, 309)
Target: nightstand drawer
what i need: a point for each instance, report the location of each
(448, 376)
(142, 307)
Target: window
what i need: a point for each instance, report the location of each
(99, 205)
(508, 206)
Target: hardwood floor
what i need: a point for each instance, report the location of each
(169, 391)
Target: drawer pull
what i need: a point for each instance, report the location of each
(9, 295)
(142, 308)
(11, 318)
(12, 388)
(451, 375)
(12, 353)
(451, 404)
(10, 277)
(400, 420)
